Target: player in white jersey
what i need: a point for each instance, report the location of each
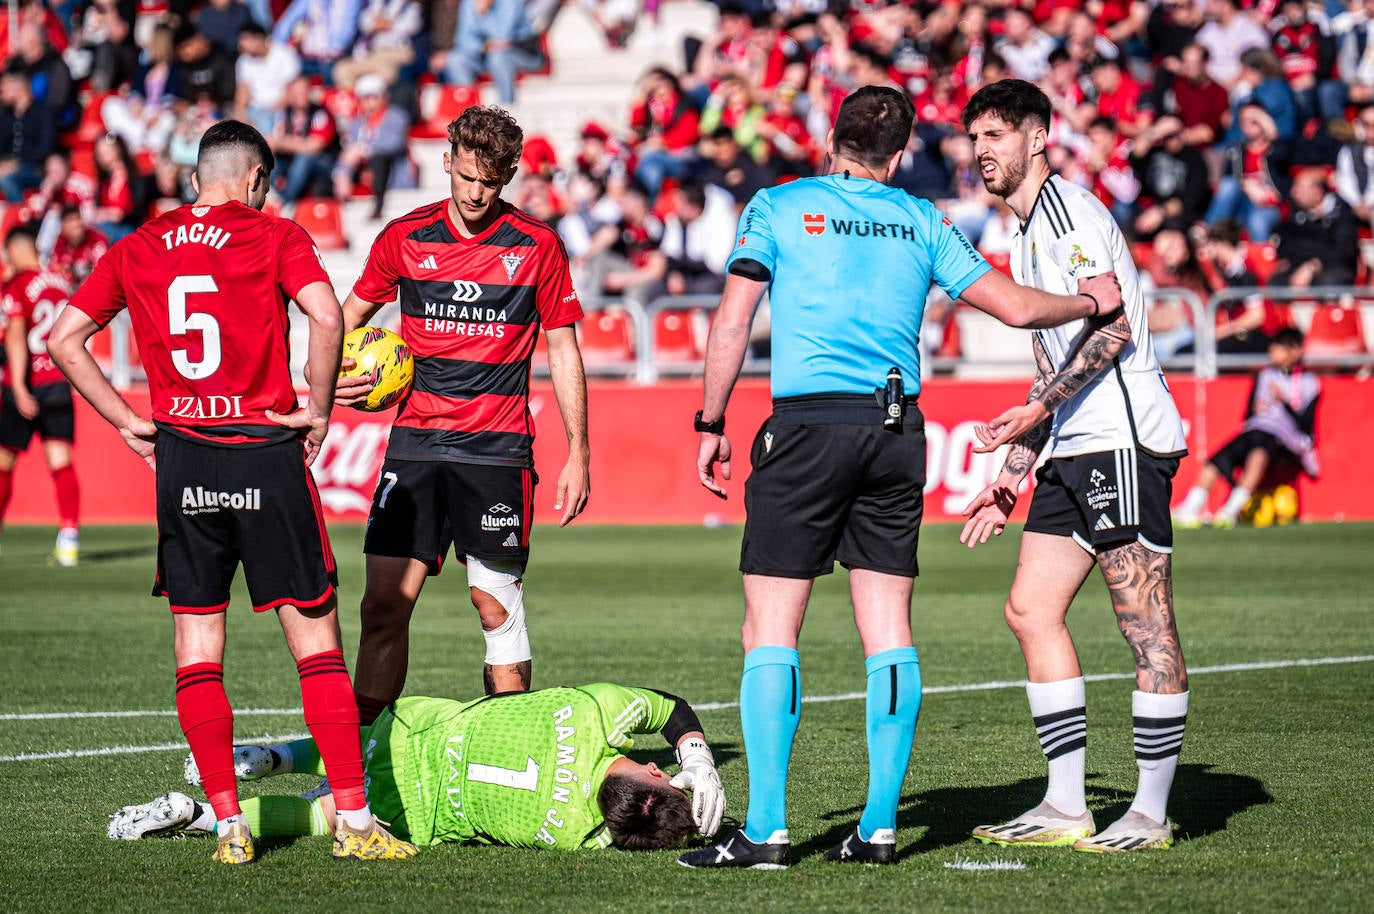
(1099, 400)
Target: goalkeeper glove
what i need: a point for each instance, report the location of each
(699, 775)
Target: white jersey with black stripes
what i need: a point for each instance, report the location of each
(1070, 236)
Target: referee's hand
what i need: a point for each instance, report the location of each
(712, 450)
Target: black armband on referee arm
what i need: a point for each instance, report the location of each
(751, 269)
(683, 719)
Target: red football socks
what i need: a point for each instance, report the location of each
(331, 714)
(208, 722)
(68, 496)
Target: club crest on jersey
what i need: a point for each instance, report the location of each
(813, 223)
(511, 261)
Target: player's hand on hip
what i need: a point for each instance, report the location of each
(712, 450)
(315, 428)
(140, 435)
(988, 514)
(1009, 426)
(574, 486)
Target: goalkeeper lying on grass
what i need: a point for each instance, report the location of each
(525, 769)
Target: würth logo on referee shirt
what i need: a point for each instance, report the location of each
(463, 290)
(814, 223)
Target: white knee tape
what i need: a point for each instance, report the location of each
(510, 642)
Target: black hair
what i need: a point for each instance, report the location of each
(873, 125)
(231, 133)
(1015, 101)
(1288, 336)
(25, 231)
(252, 28)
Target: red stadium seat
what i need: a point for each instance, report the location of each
(675, 338)
(607, 338)
(323, 220)
(1335, 330)
(440, 104)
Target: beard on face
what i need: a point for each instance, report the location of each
(1008, 179)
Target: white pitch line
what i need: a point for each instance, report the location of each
(709, 706)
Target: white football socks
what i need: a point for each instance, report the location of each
(1061, 723)
(1159, 723)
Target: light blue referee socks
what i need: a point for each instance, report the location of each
(769, 710)
(894, 701)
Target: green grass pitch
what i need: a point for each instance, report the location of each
(1272, 800)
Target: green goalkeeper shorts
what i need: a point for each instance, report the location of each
(384, 747)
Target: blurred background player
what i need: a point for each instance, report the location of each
(477, 278)
(542, 769)
(231, 448)
(1280, 421)
(36, 398)
(1100, 401)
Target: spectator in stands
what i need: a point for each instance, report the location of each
(106, 45)
(160, 77)
(698, 236)
(1174, 190)
(262, 72)
(305, 140)
(493, 37)
(1196, 99)
(1260, 69)
(322, 31)
(169, 185)
(1172, 264)
(209, 70)
(61, 188)
(387, 35)
(1355, 53)
(1226, 35)
(1280, 422)
(28, 133)
(1242, 325)
(1355, 168)
(1024, 47)
(47, 73)
(789, 145)
(631, 262)
(77, 249)
(1086, 45)
(117, 207)
(1104, 166)
(667, 128)
(724, 53)
(729, 168)
(221, 21)
(1255, 178)
(1307, 55)
(1119, 98)
(1318, 245)
(598, 152)
(376, 141)
(1171, 27)
(734, 105)
(616, 19)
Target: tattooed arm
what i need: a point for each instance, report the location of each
(1100, 342)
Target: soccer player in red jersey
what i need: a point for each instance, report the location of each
(206, 286)
(477, 278)
(36, 398)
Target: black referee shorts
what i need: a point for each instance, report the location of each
(829, 483)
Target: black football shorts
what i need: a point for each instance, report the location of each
(56, 419)
(1106, 499)
(221, 506)
(421, 507)
(830, 483)
(1232, 455)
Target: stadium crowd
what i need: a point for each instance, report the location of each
(1230, 138)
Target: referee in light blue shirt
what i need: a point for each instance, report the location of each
(839, 467)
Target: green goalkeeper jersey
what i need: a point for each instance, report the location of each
(518, 769)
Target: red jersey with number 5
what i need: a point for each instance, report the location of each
(36, 297)
(206, 288)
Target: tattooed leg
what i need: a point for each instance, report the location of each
(1142, 590)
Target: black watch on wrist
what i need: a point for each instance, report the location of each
(715, 428)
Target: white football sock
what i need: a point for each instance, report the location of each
(1061, 723)
(356, 819)
(1235, 503)
(1159, 720)
(1193, 503)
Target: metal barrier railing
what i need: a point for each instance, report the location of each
(1320, 296)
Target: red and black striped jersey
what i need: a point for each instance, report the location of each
(36, 297)
(206, 288)
(471, 309)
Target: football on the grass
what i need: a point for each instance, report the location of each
(383, 358)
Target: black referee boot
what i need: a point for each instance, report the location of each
(737, 850)
(854, 849)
